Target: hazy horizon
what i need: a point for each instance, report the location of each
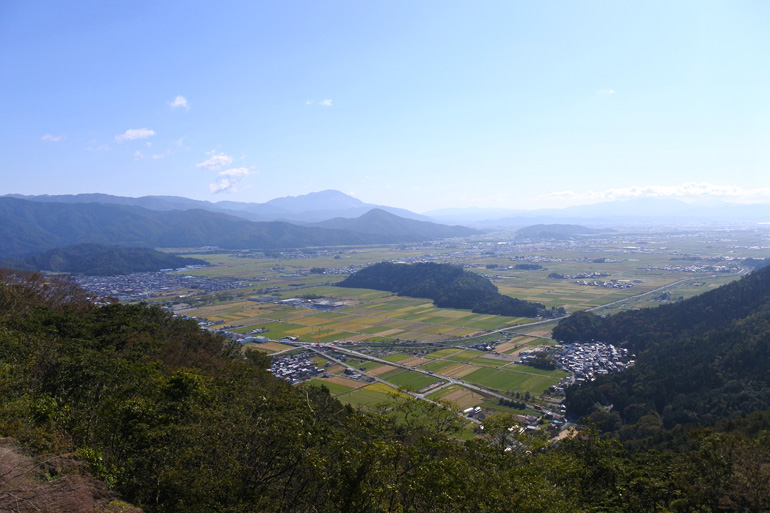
(421, 106)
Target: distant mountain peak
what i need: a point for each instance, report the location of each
(377, 213)
(306, 208)
(329, 199)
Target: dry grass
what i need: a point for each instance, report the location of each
(53, 485)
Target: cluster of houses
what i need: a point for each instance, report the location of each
(352, 374)
(484, 346)
(287, 254)
(695, 268)
(243, 338)
(611, 284)
(344, 270)
(588, 360)
(295, 368)
(589, 280)
(317, 304)
(587, 276)
(141, 286)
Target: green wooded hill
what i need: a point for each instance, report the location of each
(378, 221)
(449, 286)
(29, 227)
(698, 362)
(102, 260)
(176, 419)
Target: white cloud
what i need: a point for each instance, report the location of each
(326, 103)
(216, 161)
(605, 92)
(228, 180)
(235, 173)
(135, 133)
(138, 155)
(179, 102)
(93, 145)
(689, 191)
(53, 138)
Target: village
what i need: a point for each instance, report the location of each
(586, 361)
(135, 287)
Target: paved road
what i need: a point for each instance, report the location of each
(356, 354)
(449, 380)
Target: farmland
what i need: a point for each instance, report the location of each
(278, 296)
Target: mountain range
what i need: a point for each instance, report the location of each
(322, 206)
(29, 227)
(642, 211)
(307, 208)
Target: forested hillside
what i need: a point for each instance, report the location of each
(698, 362)
(175, 419)
(447, 285)
(382, 222)
(101, 260)
(30, 227)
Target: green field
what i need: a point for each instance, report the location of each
(409, 380)
(396, 357)
(490, 362)
(443, 353)
(464, 356)
(334, 388)
(436, 365)
(500, 379)
(369, 395)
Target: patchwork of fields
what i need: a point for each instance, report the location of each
(438, 339)
(385, 318)
(496, 372)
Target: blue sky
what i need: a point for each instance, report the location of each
(415, 104)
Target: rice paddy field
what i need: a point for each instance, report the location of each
(609, 273)
(434, 373)
(647, 262)
(363, 394)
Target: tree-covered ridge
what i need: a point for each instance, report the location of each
(102, 260)
(697, 315)
(698, 362)
(378, 221)
(177, 420)
(449, 286)
(30, 227)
